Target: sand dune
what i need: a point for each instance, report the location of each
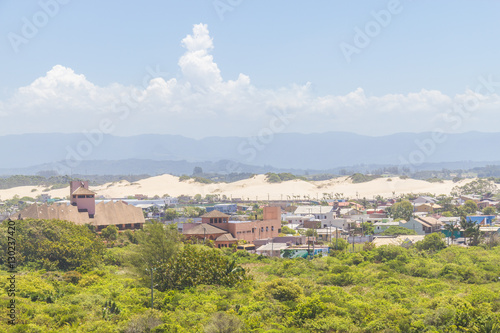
(256, 188)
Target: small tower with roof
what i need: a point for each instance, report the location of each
(82, 197)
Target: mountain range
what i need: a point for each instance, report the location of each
(97, 153)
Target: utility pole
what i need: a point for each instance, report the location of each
(151, 288)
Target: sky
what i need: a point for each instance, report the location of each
(202, 68)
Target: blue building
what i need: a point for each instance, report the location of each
(481, 219)
(223, 208)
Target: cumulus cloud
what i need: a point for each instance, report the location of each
(200, 102)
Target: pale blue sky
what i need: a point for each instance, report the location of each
(439, 46)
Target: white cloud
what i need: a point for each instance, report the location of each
(202, 103)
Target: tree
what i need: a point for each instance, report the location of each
(367, 228)
(467, 226)
(396, 230)
(432, 242)
(452, 228)
(170, 214)
(158, 243)
(110, 233)
(470, 207)
(52, 244)
(197, 171)
(402, 210)
(287, 230)
(490, 210)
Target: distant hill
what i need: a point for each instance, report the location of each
(157, 154)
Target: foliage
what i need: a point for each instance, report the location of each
(339, 244)
(287, 230)
(281, 177)
(490, 210)
(396, 230)
(470, 207)
(477, 187)
(432, 242)
(194, 266)
(401, 210)
(157, 245)
(53, 244)
(222, 322)
(110, 232)
(171, 214)
(361, 178)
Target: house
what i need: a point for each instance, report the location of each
(401, 240)
(449, 220)
(424, 199)
(319, 212)
(383, 226)
(224, 208)
(297, 219)
(481, 219)
(271, 249)
(205, 231)
(423, 225)
(268, 227)
(428, 208)
(487, 203)
(82, 209)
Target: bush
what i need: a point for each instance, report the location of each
(432, 242)
(54, 244)
(283, 290)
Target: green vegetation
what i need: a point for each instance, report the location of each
(51, 180)
(395, 231)
(426, 288)
(281, 177)
(477, 187)
(197, 179)
(401, 210)
(361, 178)
(53, 244)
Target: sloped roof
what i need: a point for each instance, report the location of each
(215, 213)
(226, 238)
(313, 210)
(82, 191)
(429, 221)
(111, 213)
(204, 229)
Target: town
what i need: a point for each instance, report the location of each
(282, 228)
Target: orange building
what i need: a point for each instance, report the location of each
(83, 210)
(268, 227)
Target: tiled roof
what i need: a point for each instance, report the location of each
(215, 213)
(226, 237)
(110, 213)
(82, 191)
(204, 229)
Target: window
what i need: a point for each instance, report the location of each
(267, 228)
(211, 220)
(74, 196)
(272, 228)
(253, 230)
(262, 229)
(81, 196)
(279, 230)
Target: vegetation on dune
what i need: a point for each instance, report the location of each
(54, 181)
(272, 177)
(361, 178)
(426, 288)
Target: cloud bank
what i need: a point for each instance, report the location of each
(200, 103)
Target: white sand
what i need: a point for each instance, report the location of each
(255, 188)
